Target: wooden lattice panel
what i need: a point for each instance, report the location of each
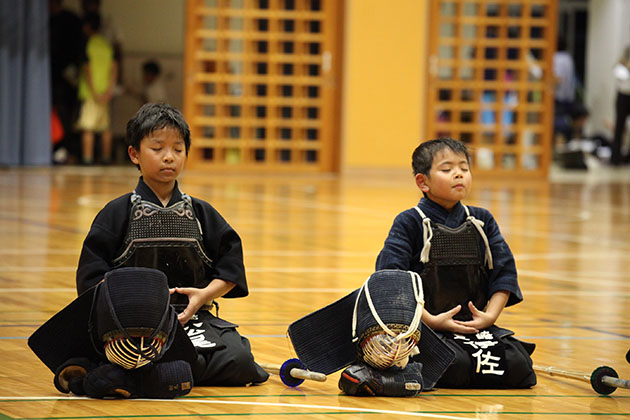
(491, 81)
(263, 83)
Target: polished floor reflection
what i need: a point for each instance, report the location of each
(311, 239)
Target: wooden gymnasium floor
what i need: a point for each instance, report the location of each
(310, 240)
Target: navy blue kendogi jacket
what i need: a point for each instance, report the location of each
(405, 241)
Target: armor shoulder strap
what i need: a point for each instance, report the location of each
(420, 212)
(135, 197)
(187, 198)
(478, 224)
(427, 235)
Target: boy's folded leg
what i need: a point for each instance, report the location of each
(363, 380)
(161, 380)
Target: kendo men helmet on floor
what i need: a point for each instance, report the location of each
(376, 329)
(386, 318)
(113, 339)
(385, 328)
(131, 318)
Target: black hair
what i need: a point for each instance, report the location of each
(151, 67)
(90, 3)
(579, 110)
(422, 157)
(561, 44)
(151, 117)
(93, 20)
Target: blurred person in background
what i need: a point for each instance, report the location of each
(621, 72)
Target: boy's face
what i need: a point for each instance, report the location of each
(161, 156)
(449, 181)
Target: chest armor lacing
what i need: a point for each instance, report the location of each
(453, 261)
(168, 239)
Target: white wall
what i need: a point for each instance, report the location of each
(608, 34)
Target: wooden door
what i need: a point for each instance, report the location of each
(263, 83)
(491, 81)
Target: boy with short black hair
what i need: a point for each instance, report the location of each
(157, 226)
(467, 269)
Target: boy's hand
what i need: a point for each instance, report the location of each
(199, 297)
(445, 322)
(480, 321)
(196, 299)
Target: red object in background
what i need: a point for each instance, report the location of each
(56, 128)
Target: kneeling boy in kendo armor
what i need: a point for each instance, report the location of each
(158, 227)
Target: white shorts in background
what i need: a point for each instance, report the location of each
(93, 116)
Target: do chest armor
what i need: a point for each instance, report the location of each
(168, 239)
(454, 262)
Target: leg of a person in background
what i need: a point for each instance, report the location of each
(106, 146)
(622, 108)
(626, 114)
(87, 144)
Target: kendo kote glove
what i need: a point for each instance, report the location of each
(363, 380)
(160, 380)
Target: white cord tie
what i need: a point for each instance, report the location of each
(418, 292)
(479, 225)
(427, 235)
